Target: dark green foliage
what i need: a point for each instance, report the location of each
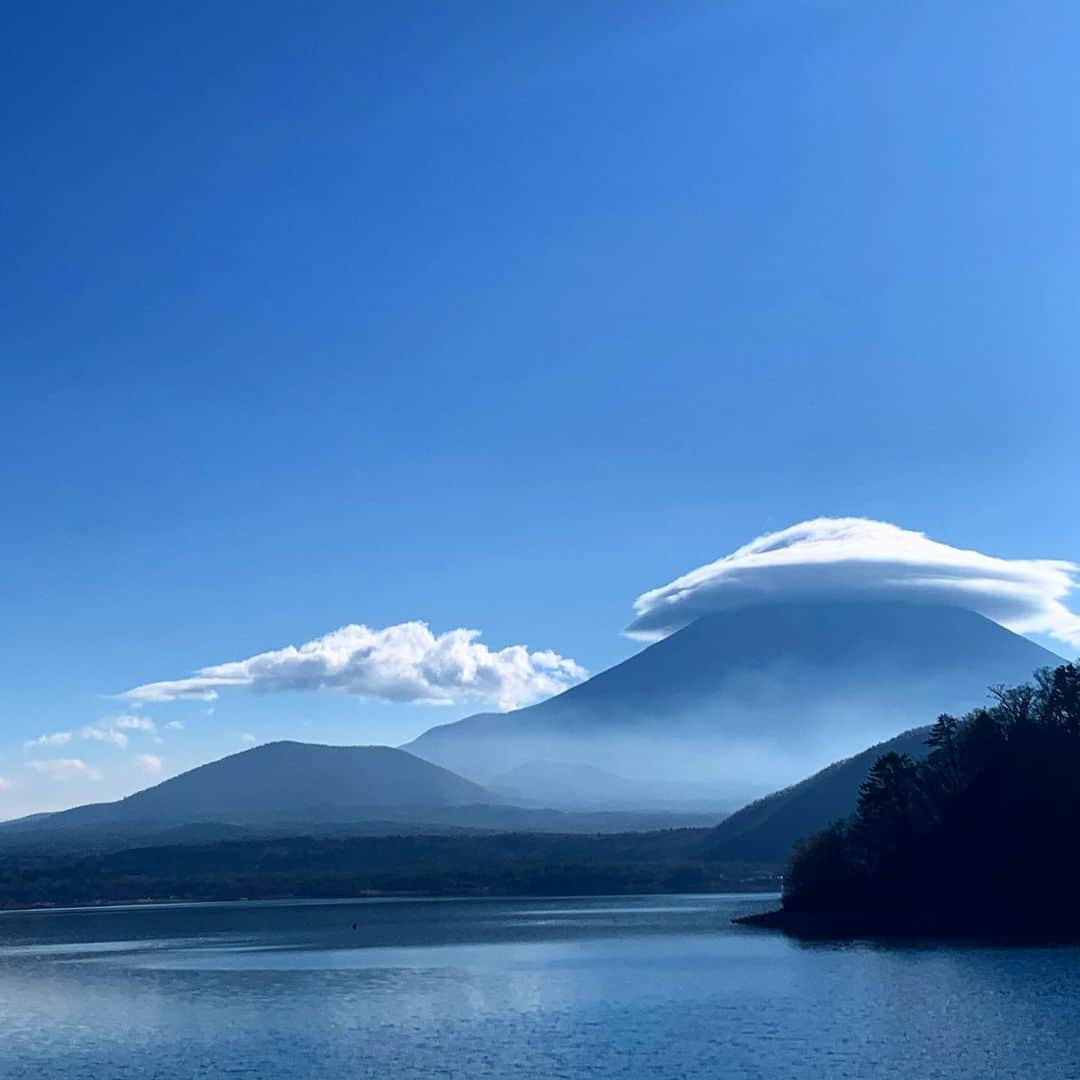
(989, 815)
(320, 867)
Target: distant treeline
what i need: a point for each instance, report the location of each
(986, 824)
(320, 867)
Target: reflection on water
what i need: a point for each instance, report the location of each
(638, 987)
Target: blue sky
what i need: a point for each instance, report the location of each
(496, 316)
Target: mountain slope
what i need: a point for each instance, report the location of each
(562, 783)
(575, 785)
(288, 788)
(767, 829)
(286, 781)
(752, 699)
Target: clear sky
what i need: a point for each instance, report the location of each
(496, 316)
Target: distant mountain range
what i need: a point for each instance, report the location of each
(674, 737)
(289, 788)
(286, 781)
(214, 862)
(751, 699)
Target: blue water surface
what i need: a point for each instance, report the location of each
(660, 986)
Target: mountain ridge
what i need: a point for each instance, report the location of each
(766, 829)
(289, 788)
(788, 686)
(286, 780)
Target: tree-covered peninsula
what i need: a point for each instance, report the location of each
(977, 837)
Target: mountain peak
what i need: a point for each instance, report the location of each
(289, 781)
(769, 690)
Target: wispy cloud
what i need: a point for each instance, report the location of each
(403, 663)
(127, 722)
(105, 735)
(64, 769)
(150, 763)
(116, 730)
(840, 558)
(56, 738)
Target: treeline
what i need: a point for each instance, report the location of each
(986, 824)
(324, 867)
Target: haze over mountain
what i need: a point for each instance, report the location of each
(753, 698)
(581, 786)
(215, 862)
(290, 788)
(767, 829)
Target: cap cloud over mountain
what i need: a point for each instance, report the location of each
(795, 649)
(799, 648)
(857, 558)
(755, 697)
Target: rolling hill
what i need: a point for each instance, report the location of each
(285, 782)
(289, 788)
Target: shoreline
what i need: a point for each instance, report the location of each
(373, 896)
(971, 925)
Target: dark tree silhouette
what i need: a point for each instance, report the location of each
(986, 823)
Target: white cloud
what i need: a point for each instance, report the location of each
(403, 663)
(5, 783)
(841, 558)
(103, 734)
(175, 725)
(57, 738)
(114, 729)
(247, 737)
(127, 722)
(64, 769)
(150, 763)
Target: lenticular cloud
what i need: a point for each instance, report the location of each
(403, 663)
(841, 558)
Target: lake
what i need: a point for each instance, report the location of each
(659, 986)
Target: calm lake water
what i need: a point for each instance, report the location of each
(657, 986)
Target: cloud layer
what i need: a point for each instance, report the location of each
(856, 558)
(403, 663)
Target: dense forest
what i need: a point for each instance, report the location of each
(465, 864)
(984, 826)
